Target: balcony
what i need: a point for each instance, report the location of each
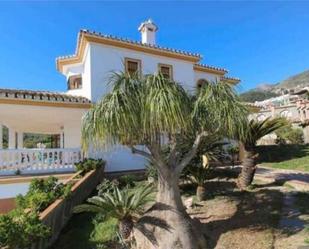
(38, 161)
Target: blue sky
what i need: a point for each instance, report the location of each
(258, 42)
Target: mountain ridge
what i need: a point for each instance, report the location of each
(267, 90)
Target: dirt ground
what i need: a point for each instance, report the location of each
(263, 218)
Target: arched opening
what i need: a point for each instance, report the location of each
(201, 82)
(285, 114)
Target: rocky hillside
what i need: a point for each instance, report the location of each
(266, 90)
(301, 80)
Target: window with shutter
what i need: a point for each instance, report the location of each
(166, 71)
(132, 66)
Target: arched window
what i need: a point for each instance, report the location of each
(201, 82)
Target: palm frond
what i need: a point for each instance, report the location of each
(258, 129)
(166, 107)
(118, 203)
(218, 109)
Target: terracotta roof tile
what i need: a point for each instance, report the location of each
(212, 67)
(111, 37)
(230, 79)
(42, 96)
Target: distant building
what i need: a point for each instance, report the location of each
(294, 107)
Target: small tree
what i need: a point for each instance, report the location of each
(124, 205)
(255, 131)
(154, 112)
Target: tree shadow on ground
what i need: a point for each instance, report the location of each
(78, 227)
(281, 178)
(256, 211)
(279, 153)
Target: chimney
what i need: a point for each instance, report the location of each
(148, 30)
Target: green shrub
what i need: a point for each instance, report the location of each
(106, 186)
(19, 229)
(89, 164)
(127, 181)
(288, 134)
(42, 192)
(151, 171)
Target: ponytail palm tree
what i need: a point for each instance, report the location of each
(156, 112)
(256, 130)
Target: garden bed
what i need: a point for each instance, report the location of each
(59, 212)
(231, 219)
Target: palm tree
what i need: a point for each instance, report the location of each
(199, 175)
(199, 169)
(124, 205)
(154, 112)
(256, 130)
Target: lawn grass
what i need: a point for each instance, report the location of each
(294, 157)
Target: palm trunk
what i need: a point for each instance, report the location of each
(201, 193)
(126, 227)
(166, 224)
(246, 176)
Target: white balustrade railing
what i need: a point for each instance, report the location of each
(39, 159)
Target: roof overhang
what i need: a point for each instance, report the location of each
(40, 119)
(45, 103)
(230, 80)
(209, 69)
(85, 37)
(42, 98)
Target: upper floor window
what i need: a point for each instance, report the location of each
(132, 66)
(166, 71)
(75, 82)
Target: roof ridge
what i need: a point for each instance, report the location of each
(127, 40)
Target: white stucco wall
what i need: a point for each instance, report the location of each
(105, 59)
(84, 69)
(72, 134)
(207, 76)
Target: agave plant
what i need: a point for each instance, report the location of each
(125, 205)
(256, 130)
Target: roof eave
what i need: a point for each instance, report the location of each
(85, 37)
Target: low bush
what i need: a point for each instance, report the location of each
(19, 229)
(290, 135)
(127, 181)
(106, 186)
(89, 164)
(42, 192)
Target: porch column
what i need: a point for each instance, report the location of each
(12, 139)
(1, 136)
(62, 140)
(20, 140)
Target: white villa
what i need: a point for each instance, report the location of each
(86, 72)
